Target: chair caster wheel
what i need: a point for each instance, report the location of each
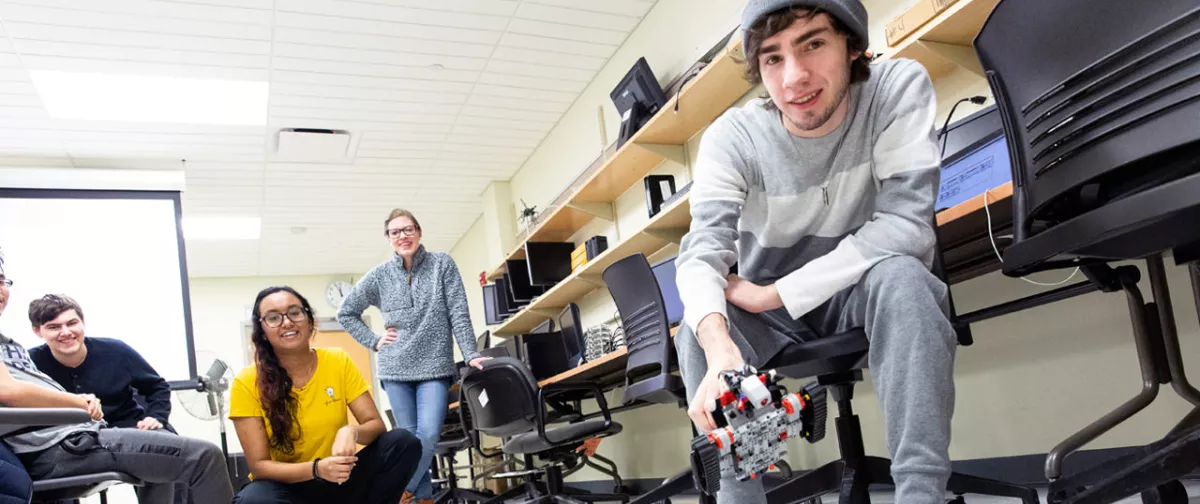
(814, 500)
(957, 500)
(1171, 492)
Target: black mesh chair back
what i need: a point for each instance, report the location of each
(501, 398)
(639, 301)
(1101, 107)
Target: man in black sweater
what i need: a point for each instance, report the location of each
(109, 369)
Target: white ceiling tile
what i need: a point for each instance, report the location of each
(361, 10)
(550, 45)
(86, 16)
(361, 93)
(532, 83)
(373, 70)
(341, 104)
(540, 71)
(167, 8)
(350, 81)
(524, 94)
(34, 62)
(404, 59)
(631, 8)
(482, 100)
(489, 122)
(542, 57)
(395, 43)
(576, 17)
(120, 38)
(567, 32)
(76, 50)
(385, 28)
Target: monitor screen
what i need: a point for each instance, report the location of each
(491, 306)
(985, 168)
(664, 274)
(548, 262)
(503, 299)
(518, 281)
(572, 331)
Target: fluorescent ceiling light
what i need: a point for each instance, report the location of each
(148, 98)
(222, 228)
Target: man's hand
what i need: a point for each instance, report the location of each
(93, 406)
(751, 297)
(336, 469)
(346, 441)
(722, 355)
(477, 362)
(388, 338)
(149, 423)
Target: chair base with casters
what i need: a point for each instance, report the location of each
(78, 487)
(545, 484)
(1154, 470)
(452, 494)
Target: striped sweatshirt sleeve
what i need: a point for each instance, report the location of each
(710, 247)
(906, 166)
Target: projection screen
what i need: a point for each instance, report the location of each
(118, 253)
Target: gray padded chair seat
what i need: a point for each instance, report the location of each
(530, 442)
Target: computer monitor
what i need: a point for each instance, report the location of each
(543, 328)
(549, 262)
(492, 314)
(664, 274)
(546, 354)
(637, 97)
(976, 158)
(484, 340)
(572, 331)
(518, 281)
(504, 300)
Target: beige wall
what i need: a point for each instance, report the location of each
(1029, 381)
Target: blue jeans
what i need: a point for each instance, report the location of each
(15, 484)
(420, 408)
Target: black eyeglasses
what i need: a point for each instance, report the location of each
(6, 282)
(295, 314)
(404, 231)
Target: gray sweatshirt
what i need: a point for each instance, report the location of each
(812, 215)
(428, 308)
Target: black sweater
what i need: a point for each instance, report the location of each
(113, 372)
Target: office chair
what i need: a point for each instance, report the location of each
(636, 293)
(504, 401)
(70, 487)
(1101, 109)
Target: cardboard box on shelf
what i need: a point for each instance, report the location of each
(913, 19)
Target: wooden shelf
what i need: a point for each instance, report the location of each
(665, 136)
(667, 227)
(945, 42)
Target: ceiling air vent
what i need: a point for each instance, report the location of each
(312, 145)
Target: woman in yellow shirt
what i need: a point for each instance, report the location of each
(289, 410)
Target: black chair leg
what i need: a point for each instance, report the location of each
(966, 484)
(674, 485)
(815, 483)
(104, 497)
(1170, 493)
(1160, 464)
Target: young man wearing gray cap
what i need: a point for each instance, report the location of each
(823, 196)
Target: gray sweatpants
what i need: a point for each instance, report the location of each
(901, 306)
(158, 458)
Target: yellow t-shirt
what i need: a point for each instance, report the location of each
(322, 409)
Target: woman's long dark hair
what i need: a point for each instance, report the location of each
(274, 384)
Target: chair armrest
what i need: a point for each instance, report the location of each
(552, 389)
(14, 419)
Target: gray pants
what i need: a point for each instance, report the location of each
(901, 306)
(158, 458)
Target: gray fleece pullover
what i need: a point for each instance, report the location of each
(428, 308)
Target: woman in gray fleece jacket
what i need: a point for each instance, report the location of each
(424, 306)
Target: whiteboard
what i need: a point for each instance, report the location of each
(116, 253)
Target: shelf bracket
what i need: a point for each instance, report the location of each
(676, 153)
(596, 280)
(598, 210)
(673, 235)
(963, 56)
